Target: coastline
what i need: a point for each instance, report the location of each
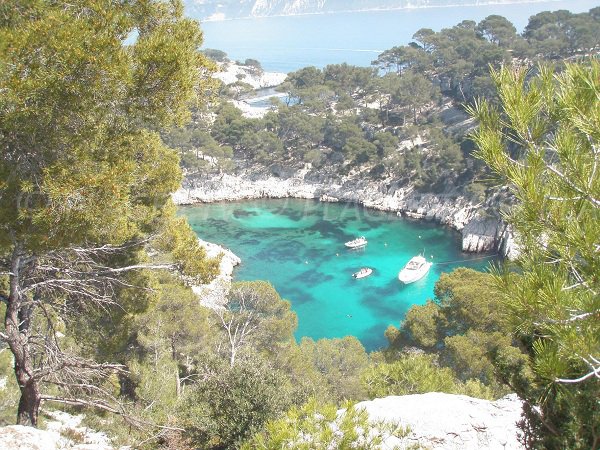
(220, 18)
(480, 232)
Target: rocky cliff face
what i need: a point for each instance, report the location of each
(231, 9)
(480, 232)
(64, 432)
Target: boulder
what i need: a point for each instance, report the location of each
(18, 437)
(446, 421)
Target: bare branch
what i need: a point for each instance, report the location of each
(594, 201)
(595, 372)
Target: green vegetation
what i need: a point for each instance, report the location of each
(86, 182)
(401, 122)
(319, 426)
(544, 141)
(96, 269)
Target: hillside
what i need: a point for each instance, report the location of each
(229, 9)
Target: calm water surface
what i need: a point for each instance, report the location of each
(298, 245)
(285, 44)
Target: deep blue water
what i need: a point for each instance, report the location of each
(285, 44)
(298, 245)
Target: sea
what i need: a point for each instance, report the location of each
(298, 246)
(288, 43)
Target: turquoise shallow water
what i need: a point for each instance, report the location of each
(298, 245)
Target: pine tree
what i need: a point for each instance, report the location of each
(85, 177)
(545, 143)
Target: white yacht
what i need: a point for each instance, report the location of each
(362, 273)
(357, 243)
(414, 270)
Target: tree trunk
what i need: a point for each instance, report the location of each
(29, 403)
(16, 323)
(177, 377)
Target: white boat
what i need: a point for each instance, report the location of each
(362, 273)
(414, 270)
(356, 243)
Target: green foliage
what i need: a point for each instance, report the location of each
(9, 390)
(257, 318)
(87, 179)
(465, 326)
(215, 55)
(551, 295)
(233, 403)
(319, 426)
(335, 360)
(423, 324)
(411, 374)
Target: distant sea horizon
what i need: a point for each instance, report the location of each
(288, 43)
(476, 3)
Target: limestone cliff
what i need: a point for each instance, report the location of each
(232, 9)
(481, 232)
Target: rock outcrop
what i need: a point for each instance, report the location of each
(448, 422)
(230, 73)
(214, 294)
(215, 10)
(480, 232)
(64, 432)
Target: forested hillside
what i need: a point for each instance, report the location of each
(400, 123)
(96, 269)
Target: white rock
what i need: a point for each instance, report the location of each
(214, 294)
(446, 421)
(18, 437)
(448, 209)
(55, 437)
(230, 73)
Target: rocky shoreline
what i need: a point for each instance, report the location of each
(480, 231)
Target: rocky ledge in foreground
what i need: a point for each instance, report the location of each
(436, 421)
(480, 233)
(448, 422)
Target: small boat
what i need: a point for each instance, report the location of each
(357, 243)
(362, 273)
(414, 270)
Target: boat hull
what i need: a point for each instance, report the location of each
(356, 243)
(355, 246)
(359, 275)
(411, 276)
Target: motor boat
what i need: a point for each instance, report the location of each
(414, 270)
(356, 243)
(362, 273)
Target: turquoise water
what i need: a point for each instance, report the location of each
(298, 245)
(285, 44)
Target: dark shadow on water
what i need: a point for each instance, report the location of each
(241, 213)
(216, 223)
(250, 242)
(282, 250)
(328, 229)
(384, 307)
(297, 296)
(312, 277)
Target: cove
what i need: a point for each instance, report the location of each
(298, 246)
